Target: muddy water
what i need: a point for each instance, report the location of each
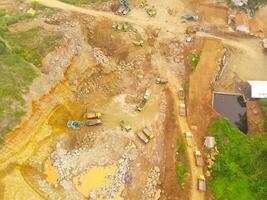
(232, 107)
(94, 179)
(50, 172)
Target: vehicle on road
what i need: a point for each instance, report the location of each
(201, 183)
(182, 110)
(148, 132)
(189, 138)
(198, 159)
(141, 106)
(147, 94)
(181, 93)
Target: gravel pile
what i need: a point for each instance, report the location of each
(151, 186)
(100, 57)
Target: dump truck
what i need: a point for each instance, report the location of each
(125, 126)
(147, 94)
(182, 109)
(92, 115)
(139, 43)
(190, 30)
(141, 106)
(161, 81)
(148, 132)
(181, 94)
(189, 138)
(142, 137)
(198, 159)
(93, 122)
(123, 11)
(201, 183)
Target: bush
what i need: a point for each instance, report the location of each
(193, 59)
(240, 169)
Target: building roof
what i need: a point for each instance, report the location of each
(209, 142)
(258, 89)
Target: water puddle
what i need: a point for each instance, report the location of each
(233, 107)
(50, 172)
(94, 179)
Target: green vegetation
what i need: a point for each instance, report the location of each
(193, 59)
(79, 2)
(263, 103)
(252, 6)
(181, 164)
(19, 53)
(240, 170)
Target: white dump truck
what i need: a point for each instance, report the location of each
(201, 183)
(198, 159)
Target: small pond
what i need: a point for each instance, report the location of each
(233, 107)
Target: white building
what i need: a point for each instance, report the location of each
(258, 89)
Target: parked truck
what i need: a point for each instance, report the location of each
(161, 81)
(189, 138)
(198, 159)
(148, 132)
(142, 137)
(125, 126)
(181, 93)
(93, 122)
(201, 183)
(182, 109)
(92, 115)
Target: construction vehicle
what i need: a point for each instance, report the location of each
(264, 45)
(96, 115)
(142, 137)
(125, 126)
(182, 110)
(143, 4)
(161, 81)
(121, 27)
(141, 106)
(190, 17)
(189, 138)
(147, 94)
(190, 30)
(139, 43)
(75, 124)
(148, 133)
(93, 122)
(181, 94)
(198, 159)
(124, 8)
(152, 11)
(201, 183)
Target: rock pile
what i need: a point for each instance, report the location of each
(150, 190)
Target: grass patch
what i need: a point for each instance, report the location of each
(181, 164)
(193, 59)
(18, 53)
(263, 103)
(79, 2)
(33, 44)
(240, 170)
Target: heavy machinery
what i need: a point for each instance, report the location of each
(143, 4)
(201, 183)
(189, 138)
(198, 159)
(125, 126)
(141, 106)
(182, 110)
(142, 137)
(139, 43)
(124, 8)
(74, 124)
(96, 115)
(121, 27)
(181, 94)
(148, 133)
(190, 17)
(152, 11)
(161, 81)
